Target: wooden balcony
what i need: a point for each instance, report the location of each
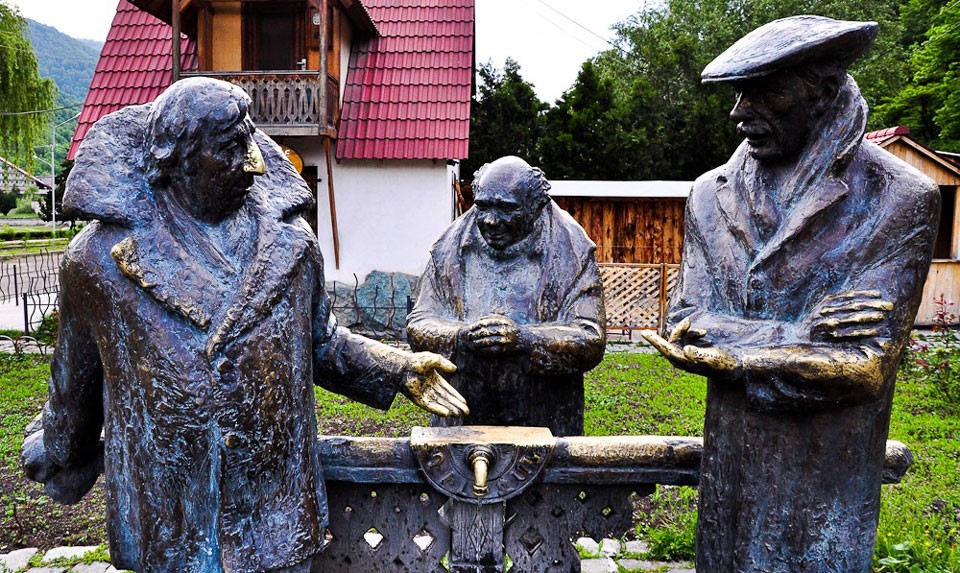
(285, 103)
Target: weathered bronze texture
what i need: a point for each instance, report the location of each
(512, 295)
(386, 515)
(193, 326)
(803, 264)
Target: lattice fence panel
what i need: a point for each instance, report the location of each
(636, 295)
(543, 522)
(673, 277)
(631, 294)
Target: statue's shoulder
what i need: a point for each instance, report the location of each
(902, 184)
(452, 238)
(88, 254)
(705, 188)
(564, 221)
(108, 180)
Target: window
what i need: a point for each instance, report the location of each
(944, 247)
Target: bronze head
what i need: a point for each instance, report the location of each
(202, 150)
(509, 195)
(788, 74)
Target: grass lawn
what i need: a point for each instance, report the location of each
(628, 393)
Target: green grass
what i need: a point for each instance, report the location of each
(23, 387)
(632, 393)
(920, 517)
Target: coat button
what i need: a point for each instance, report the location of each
(232, 441)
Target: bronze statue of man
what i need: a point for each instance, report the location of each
(513, 296)
(193, 326)
(803, 264)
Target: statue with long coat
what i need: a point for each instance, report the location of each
(803, 265)
(193, 327)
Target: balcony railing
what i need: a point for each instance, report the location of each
(283, 103)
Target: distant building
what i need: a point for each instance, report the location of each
(944, 276)
(13, 178)
(630, 221)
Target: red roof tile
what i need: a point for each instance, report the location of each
(882, 135)
(135, 66)
(407, 93)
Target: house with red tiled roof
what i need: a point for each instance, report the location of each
(944, 276)
(370, 99)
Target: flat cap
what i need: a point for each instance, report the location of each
(791, 42)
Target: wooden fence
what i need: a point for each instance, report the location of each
(636, 294)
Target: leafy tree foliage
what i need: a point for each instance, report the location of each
(661, 52)
(72, 76)
(930, 103)
(21, 90)
(585, 133)
(639, 111)
(60, 186)
(504, 117)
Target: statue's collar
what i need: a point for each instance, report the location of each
(108, 181)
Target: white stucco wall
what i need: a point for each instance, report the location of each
(389, 213)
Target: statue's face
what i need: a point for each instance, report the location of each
(775, 115)
(505, 215)
(224, 170)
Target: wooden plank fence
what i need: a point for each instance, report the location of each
(636, 294)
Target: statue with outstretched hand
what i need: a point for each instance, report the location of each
(193, 328)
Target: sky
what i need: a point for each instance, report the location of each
(550, 39)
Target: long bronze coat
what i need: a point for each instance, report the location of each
(199, 366)
(565, 325)
(790, 479)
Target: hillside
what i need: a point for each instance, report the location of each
(69, 61)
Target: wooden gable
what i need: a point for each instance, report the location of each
(924, 159)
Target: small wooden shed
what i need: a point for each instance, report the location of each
(630, 221)
(944, 276)
(638, 229)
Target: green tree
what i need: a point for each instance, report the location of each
(22, 91)
(584, 134)
(930, 103)
(61, 185)
(504, 117)
(661, 51)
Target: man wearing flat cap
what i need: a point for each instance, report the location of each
(803, 264)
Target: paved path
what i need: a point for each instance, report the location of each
(608, 555)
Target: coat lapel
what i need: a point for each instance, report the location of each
(280, 249)
(155, 261)
(732, 202)
(808, 210)
(160, 266)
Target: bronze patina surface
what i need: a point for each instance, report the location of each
(193, 326)
(803, 264)
(512, 295)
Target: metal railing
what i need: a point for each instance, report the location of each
(28, 274)
(417, 504)
(37, 306)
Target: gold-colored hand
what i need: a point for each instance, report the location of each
(426, 388)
